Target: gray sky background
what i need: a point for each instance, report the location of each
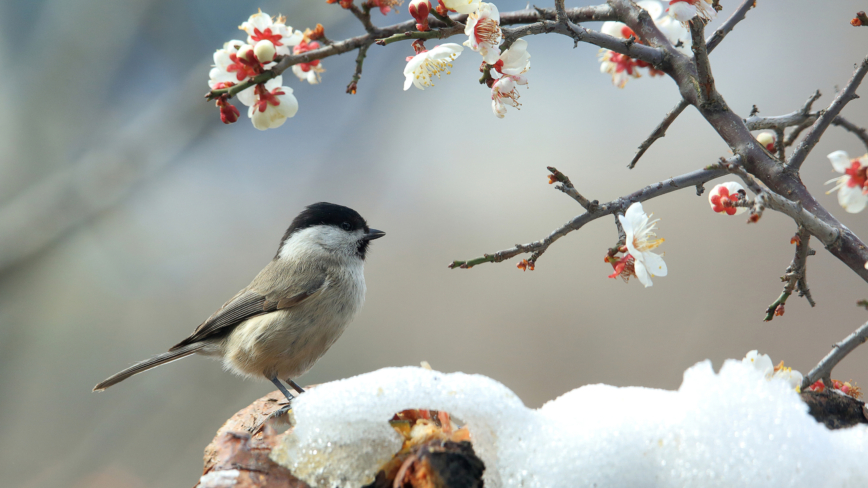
(165, 213)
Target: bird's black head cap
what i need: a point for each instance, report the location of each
(324, 213)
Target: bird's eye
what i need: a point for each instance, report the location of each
(346, 226)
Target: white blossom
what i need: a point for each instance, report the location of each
(515, 60)
(483, 30)
(722, 195)
(504, 93)
(272, 105)
(761, 362)
(684, 10)
(262, 27)
(423, 66)
(641, 239)
(851, 185)
(462, 6)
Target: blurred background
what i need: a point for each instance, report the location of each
(129, 213)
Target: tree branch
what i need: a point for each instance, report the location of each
(581, 14)
(711, 43)
(823, 121)
(860, 132)
(655, 190)
(795, 275)
(823, 370)
(357, 74)
(659, 132)
(730, 23)
(567, 187)
(700, 58)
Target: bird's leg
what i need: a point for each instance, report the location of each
(289, 396)
(279, 412)
(295, 385)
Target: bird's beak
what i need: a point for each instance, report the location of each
(373, 234)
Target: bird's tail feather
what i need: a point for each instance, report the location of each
(166, 357)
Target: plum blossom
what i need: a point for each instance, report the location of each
(851, 185)
(228, 68)
(723, 196)
(461, 6)
(763, 364)
(503, 93)
(483, 30)
(622, 67)
(684, 10)
(262, 27)
(311, 71)
(515, 61)
(419, 10)
(270, 103)
(386, 6)
(641, 239)
(426, 64)
(512, 64)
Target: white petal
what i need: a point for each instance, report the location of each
(653, 8)
(852, 199)
(247, 96)
(642, 274)
(654, 263)
(840, 161)
(613, 29)
(288, 103)
(682, 11)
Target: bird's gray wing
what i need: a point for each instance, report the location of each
(250, 303)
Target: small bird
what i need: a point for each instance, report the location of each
(293, 311)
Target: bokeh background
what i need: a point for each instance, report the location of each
(128, 213)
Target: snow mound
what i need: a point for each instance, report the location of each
(734, 428)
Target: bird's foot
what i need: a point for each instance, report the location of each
(272, 416)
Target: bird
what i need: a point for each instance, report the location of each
(295, 308)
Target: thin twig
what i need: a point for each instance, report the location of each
(567, 187)
(823, 121)
(816, 226)
(659, 132)
(711, 43)
(823, 370)
(601, 210)
(357, 75)
(794, 276)
(581, 14)
(730, 23)
(860, 132)
(364, 17)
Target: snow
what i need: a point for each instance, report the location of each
(732, 428)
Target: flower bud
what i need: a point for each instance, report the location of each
(245, 53)
(264, 51)
(229, 113)
(420, 9)
(723, 197)
(767, 139)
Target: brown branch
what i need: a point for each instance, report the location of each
(357, 74)
(364, 16)
(711, 43)
(823, 121)
(827, 233)
(537, 248)
(794, 276)
(659, 132)
(581, 14)
(700, 58)
(860, 132)
(567, 187)
(730, 23)
(823, 370)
